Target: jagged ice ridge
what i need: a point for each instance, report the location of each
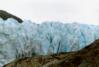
(28, 39)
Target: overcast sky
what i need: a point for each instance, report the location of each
(83, 11)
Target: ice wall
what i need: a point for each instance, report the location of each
(28, 39)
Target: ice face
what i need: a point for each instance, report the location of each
(28, 39)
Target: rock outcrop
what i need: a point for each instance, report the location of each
(86, 57)
(5, 15)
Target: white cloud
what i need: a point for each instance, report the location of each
(84, 11)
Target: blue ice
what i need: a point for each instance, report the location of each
(25, 39)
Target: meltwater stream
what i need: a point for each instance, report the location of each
(18, 40)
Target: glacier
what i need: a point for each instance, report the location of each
(18, 40)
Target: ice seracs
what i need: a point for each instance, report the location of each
(28, 39)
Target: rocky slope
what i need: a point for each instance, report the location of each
(86, 57)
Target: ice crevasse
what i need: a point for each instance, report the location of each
(27, 39)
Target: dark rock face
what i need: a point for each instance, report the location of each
(5, 15)
(87, 57)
